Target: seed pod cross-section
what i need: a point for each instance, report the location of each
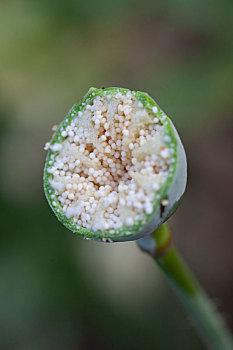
(116, 168)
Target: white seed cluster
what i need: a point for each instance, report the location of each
(110, 164)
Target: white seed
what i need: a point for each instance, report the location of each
(129, 221)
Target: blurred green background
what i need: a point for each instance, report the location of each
(56, 290)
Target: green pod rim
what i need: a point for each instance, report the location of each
(176, 174)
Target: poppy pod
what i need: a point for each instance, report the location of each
(116, 168)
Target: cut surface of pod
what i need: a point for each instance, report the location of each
(116, 168)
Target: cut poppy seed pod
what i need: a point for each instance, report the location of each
(116, 168)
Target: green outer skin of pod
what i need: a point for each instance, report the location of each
(172, 189)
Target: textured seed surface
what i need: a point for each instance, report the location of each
(111, 163)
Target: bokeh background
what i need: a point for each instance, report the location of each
(56, 290)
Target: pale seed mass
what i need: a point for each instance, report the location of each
(112, 161)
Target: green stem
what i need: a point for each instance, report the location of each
(207, 320)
